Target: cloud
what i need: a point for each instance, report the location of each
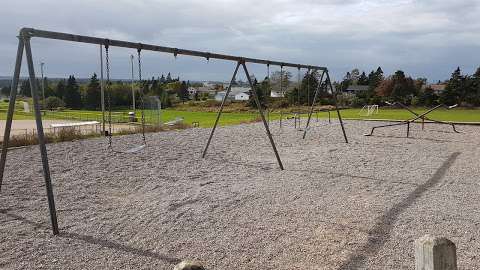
(425, 38)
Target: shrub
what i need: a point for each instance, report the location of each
(52, 103)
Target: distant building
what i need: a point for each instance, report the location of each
(235, 92)
(242, 96)
(277, 93)
(354, 89)
(438, 88)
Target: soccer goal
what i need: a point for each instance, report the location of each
(368, 110)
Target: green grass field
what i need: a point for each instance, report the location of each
(207, 119)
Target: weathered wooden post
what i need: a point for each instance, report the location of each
(435, 253)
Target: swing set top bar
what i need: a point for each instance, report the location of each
(30, 32)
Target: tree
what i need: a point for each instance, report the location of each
(93, 93)
(280, 81)
(52, 103)
(306, 91)
(261, 90)
(72, 98)
(169, 78)
(25, 88)
(183, 92)
(60, 89)
(49, 91)
(451, 94)
(5, 91)
(397, 87)
(363, 79)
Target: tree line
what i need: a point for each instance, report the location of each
(460, 89)
(71, 94)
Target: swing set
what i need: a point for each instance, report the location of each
(24, 45)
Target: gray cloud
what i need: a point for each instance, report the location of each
(424, 38)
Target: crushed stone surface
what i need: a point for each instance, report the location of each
(335, 206)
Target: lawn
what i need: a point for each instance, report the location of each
(454, 115)
(207, 119)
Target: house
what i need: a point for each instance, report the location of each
(242, 92)
(438, 88)
(354, 89)
(277, 93)
(192, 91)
(242, 96)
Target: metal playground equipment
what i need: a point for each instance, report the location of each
(25, 36)
(422, 117)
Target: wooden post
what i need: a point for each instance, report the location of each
(435, 253)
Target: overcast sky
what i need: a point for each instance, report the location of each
(425, 38)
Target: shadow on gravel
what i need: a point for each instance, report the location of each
(414, 138)
(380, 233)
(119, 247)
(93, 240)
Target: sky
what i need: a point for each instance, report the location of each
(424, 38)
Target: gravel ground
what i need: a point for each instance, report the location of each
(336, 206)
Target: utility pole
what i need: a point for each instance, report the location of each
(43, 84)
(133, 86)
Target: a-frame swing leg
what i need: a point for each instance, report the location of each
(11, 108)
(260, 110)
(41, 138)
(221, 110)
(336, 107)
(313, 104)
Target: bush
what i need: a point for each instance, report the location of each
(52, 103)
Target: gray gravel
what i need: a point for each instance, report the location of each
(336, 206)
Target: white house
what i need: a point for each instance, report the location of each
(241, 92)
(242, 96)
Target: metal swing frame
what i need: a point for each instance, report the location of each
(24, 45)
(417, 116)
(328, 83)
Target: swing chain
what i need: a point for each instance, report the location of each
(142, 101)
(108, 88)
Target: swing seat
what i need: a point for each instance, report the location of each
(132, 150)
(135, 149)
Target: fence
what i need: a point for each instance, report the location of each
(24, 137)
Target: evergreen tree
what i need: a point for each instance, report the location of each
(72, 98)
(183, 92)
(260, 90)
(363, 79)
(49, 91)
(60, 89)
(5, 91)
(451, 94)
(25, 88)
(162, 79)
(93, 93)
(169, 78)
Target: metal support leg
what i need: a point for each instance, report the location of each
(102, 90)
(41, 137)
(313, 104)
(11, 108)
(260, 110)
(336, 108)
(221, 109)
(408, 128)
